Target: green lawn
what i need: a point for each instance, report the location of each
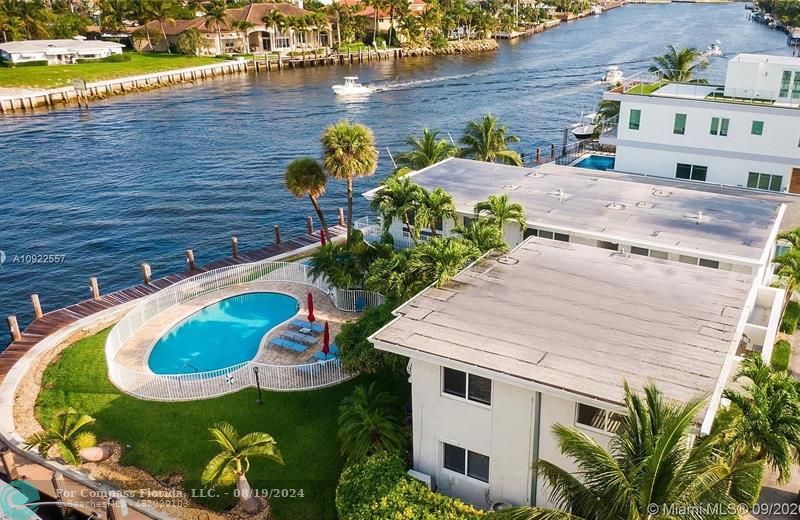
(61, 75)
(646, 88)
(165, 438)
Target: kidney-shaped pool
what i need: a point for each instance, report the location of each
(222, 334)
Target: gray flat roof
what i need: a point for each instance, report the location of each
(735, 223)
(580, 319)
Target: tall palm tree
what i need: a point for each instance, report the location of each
(334, 263)
(305, 177)
(276, 20)
(789, 272)
(398, 198)
(434, 207)
(113, 14)
(318, 21)
(370, 422)
(216, 17)
(439, 259)
(338, 11)
(498, 209)
(242, 26)
(66, 432)
(425, 151)
(768, 422)
(376, 5)
(140, 10)
(348, 151)
(392, 276)
(484, 235)
(680, 65)
(648, 468)
(162, 11)
(486, 140)
(34, 17)
(231, 464)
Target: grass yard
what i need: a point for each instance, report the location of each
(60, 75)
(166, 438)
(646, 88)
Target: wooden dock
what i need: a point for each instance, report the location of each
(269, 62)
(53, 321)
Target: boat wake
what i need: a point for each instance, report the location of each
(406, 85)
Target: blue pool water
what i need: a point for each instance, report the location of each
(597, 162)
(223, 334)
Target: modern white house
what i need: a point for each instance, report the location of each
(57, 52)
(616, 279)
(743, 133)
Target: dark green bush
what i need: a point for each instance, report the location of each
(380, 489)
(780, 355)
(790, 317)
(36, 63)
(355, 350)
(749, 487)
(438, 42)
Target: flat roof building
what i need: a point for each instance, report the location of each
(57, 52)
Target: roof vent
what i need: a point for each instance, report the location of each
(699, 217)
(508, 260)
(615, 205)
(645, 205)
(660, 193)
(534, 174)
(561, 194)
(511, 187)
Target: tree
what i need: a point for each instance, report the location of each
(370, 422)
(305, 177)
(216, 16)
(680, 65)
(276, 20)
(398, 198)
(317, 20)
(161, 11)
(767, 427)
(231, 464)
(789, 272)
(349, 152)
(339, 12)
(113, 14)
(648, 463)
(66, 431)
(425, 151)
(334, 263)
(434, 207)
(484, 235)
(439, 259)
(376, 5)
(242, 26)
(140, 11)
(792, 236)
(34, 17)
(498, 209)
(486, 140)
(410, 28)
(393, 277)
(190, 42)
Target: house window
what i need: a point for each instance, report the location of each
(561, 237)
(687, 259)
(796, 85)
(764, 181)
(785, 81)
(757, 128)
(634, 119)
(639, 251)
(719, 126)
(530, 232)
(679, 127)
(691, 171)
(466, 462)
(546, 234)
(661, 255)
(705, 262)
(467, 386)
(598, 419)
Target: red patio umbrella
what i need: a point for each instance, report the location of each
(322, 237)
(326, 340)
(311, 317)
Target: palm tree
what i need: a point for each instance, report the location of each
(339, 11)
(768, 422)
(486, 140)
(216, 17)
(276, 20)
(242, 26)
(349, 152)
(434, 207)
(680, 64)
(789, 272)
(498, 209)
(792, 236)
(376, 5)
(140, 10)
(113, 14)
(425, 151)
(231, 464)
(398, 198)
(648, 463)
(393, 277)
(484, 235)
(370, 422)
(34, 16)
(161, 11)
(305, 177)
(334, 262)
(439, 259)
(64, 432)
(318, 20)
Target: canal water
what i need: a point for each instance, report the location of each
(144, 177)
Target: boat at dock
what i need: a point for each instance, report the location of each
(613, 75)
(351, 88)
(713, 50)
(584, 128)
(597, 10)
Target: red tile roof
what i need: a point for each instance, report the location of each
(252, 13)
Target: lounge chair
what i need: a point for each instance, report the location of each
(303, 324)
(305, 339)
(319, 356)
(287, 344)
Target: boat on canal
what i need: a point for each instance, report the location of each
(351, 88)
(613, 75)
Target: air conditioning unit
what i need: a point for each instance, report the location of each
(422, 477)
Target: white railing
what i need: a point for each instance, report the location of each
(202, 385)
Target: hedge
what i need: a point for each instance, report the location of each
(35, 63)
(790, 317)
(114, 58)
(780, 355)
(380, 489)
(357, 354)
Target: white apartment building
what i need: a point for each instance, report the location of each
(743, 133)
(620, 279)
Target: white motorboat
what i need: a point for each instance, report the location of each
(713, 50)
(613, 75)
(584, 128)
(597, 10)
(350, 87)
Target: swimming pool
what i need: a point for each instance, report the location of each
(222, 334)
(597, 162)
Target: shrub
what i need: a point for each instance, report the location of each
(190, 42)
(380, 489)
(790, 317)
(114, 58)
(750, 487)
(780, 355)
(35, 63)
(357, 353)
(438, 42)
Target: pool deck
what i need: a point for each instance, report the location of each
(136, 351)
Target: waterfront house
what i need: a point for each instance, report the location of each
(415, 8)
(261, 37)
(745, 132)
(57, 52)
(617, 278)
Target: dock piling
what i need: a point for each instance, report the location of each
(190, 259)
(147, 273)
(277, 229)
(341, 216)
(94, 287)
(13, 328)
(37, 306)
(235, 246)
(552, 150)
(310, 225)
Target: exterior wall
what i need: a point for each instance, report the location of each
(68, 56)
(760, 79)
